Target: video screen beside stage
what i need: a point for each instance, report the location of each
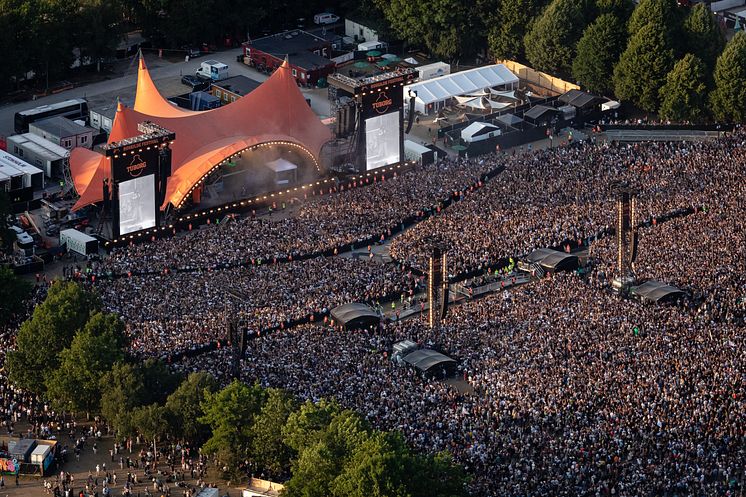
(137, 204)
(382, 140)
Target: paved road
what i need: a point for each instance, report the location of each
(166, 75)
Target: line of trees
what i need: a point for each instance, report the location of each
(661, 57)
(73, 354)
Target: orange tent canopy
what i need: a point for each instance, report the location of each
(275, 112)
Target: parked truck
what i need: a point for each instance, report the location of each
(212, 70)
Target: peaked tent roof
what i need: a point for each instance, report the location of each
(149, 100)
(276, 111)
(477, 128)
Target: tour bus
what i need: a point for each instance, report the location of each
(73, 109)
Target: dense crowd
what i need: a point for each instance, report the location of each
(566, 390)
(563, 388)
(344, 214)
(181, 311)
(546, 198)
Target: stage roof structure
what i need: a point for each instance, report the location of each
(355, 315)
(427, 361)
(276, 113)
(554, 260)
(655, 291)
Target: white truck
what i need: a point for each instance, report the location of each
(212, 70)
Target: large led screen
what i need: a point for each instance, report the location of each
(382, 140)
(137, 204)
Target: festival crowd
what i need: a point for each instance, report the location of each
(563, 387)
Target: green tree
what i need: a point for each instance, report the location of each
(151, 421)
(598, 51)
(728, 100)
(13, 292)
(507, 29)
(98, 29)
(128, 386)
(230, 414)
(50, 330)
(622, 9)
(122, 389)
(76, 385)
(643, 67)
(664, 12)
(684, 96)
(550, 44)
(377, 468)
(312, 473)
(268, 449)
(704, 37)
(185, 407)
(440, 467)
(307, 425)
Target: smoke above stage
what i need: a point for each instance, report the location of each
(256, 172)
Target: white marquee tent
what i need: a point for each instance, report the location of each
(433, 93)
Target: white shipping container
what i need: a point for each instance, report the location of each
(78, 242)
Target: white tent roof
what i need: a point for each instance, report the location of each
(462, 83)
(610, 105)
(475, 128)
(281, 165)
(410, 60)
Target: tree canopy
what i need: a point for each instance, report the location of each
(705, 39)
(643, 67)
(684, 96)
(75, 386)
(184, 407)
(550, 44)
(230, 415)
(50, 330)
(508, 27)
(729, 97)
(598, 51)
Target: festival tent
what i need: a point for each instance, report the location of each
(355, 315)
(438, 90)
(655, 291)
(554, 260)
(275, 113)
(430, 361)
(478, 131)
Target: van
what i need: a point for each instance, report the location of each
(325, 18)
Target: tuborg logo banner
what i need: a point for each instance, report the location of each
(136, 167)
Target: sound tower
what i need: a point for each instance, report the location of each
(341, 121)
(437, 287)
(351, 117)
(626, 236)
(412, 97)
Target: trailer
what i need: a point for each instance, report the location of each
(75, 241)
(212, 70)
